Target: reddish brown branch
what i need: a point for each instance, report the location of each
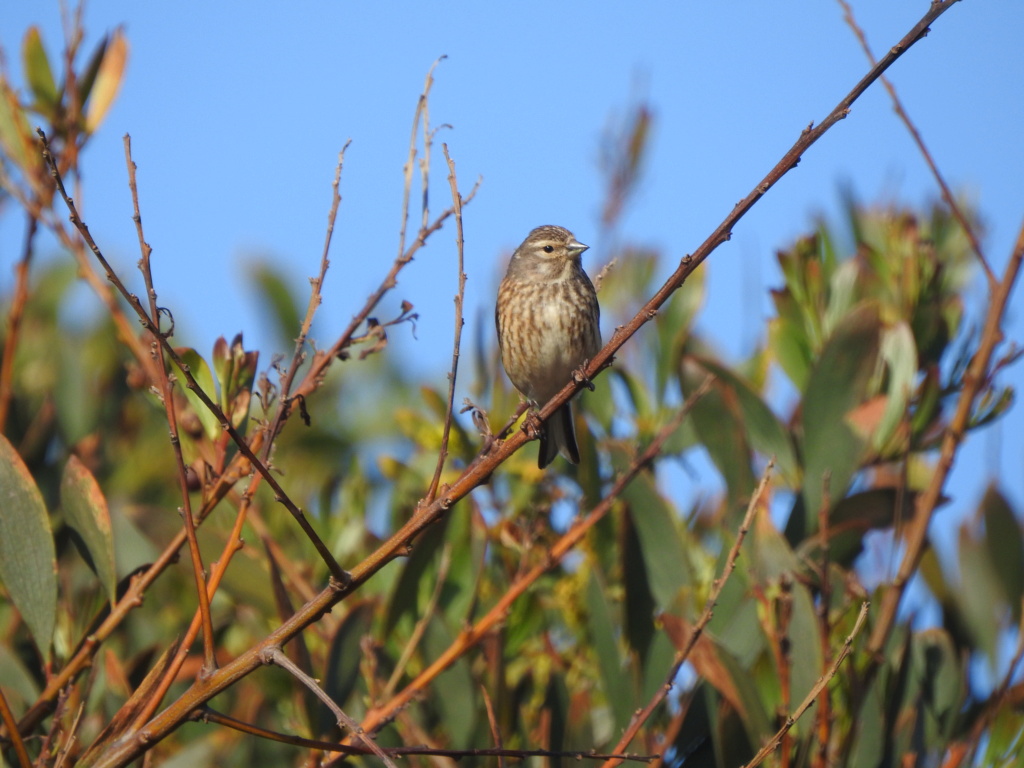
(442, 454)
(167, 397)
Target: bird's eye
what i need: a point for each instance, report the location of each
(549, 249)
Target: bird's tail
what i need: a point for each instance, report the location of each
(558, 436)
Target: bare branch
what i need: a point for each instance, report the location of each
(459, 296)
(167, 397)
(774, 742)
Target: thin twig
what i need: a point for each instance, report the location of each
(442, 454)
(492, 721)
(232, 544)
(717, 586)
(7, 718)
(315, 299)
(275, 655)
(947, 195)
(823, 681)
(167, 396)
(208, 715)
(824, 712)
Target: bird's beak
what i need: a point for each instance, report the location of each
(576, 248)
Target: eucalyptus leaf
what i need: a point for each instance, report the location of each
(28, 559)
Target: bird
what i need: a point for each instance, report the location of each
(548, 322)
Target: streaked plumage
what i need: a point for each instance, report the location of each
(548, 323)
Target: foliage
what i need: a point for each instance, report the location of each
(545, 609)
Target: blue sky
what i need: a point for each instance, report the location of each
(237, 114)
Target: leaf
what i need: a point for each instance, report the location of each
(28, 561)
(719, 426)
(39, 74)
(1005, 547)
(204, 378)
(453, 691)
(345, 657)
(662, 545)
(86, 510)
(673, 326)
(274, 291)
(16, 135)
(836, 387)
(108, 80)
(604, 636)
(899, 352)
(764, 431)
(87, 77)
(935, 687)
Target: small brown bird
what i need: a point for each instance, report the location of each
(548, 326)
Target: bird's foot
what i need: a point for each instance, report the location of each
(532, 425)
(579, 375)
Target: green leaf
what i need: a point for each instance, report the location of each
(1005, 547)
(717, 420)
(204, 378)
(673, 325)
(837, 386)
(39, 75)
(664, 556)
(604, 636)
(979, 598)
(28, 561)
(345, 656)
(934, 689)
(764, 431)
(86, 510)
(275, 292)
(805, 649)
(453, 691)
(87, 77)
